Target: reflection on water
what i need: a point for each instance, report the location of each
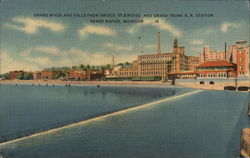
(37, 109)
(203, 125)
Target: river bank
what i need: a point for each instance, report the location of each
(186, 84)
(90, 83)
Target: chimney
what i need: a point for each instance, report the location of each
(158, 43)
(113, 60)
(225, 50)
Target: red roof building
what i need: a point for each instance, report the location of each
(218, 63)
(13, 75)
(216, 69)
(50, 75)
(76, 75)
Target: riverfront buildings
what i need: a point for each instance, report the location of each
(160, 64)
(50, 75)
(231, 63)
(15, 74)
(237, 54)
(216, 69)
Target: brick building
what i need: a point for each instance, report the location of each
(193, 62)
(217, 69)
(160, 64)
(50, 75)
(84, 74)
(237, 54)
(13, 75)
(240, 57)
(37, 75)
(75, 75)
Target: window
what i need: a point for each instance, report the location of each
(202, 82)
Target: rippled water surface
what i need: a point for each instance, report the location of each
(201, 125)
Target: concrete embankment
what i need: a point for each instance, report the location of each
(245, 143)
(59, 82)
(216, 84)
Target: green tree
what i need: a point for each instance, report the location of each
(5, 76)
(61, 74)
(88, 66)
(81, 67)
(127, 63)
(74, 67)
(120, 64)
(27, 76)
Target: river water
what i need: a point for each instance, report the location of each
(206, 124)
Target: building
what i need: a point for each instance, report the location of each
(237, 54)
(216, 69)
(75, 74)
(183, 75)
(193, 62)
(83, 74)
(209, 55)
(50, 75)
(160, 64)
(13, 75)
(128, 71)
(240, 57)
(37, 75)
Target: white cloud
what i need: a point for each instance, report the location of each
(68, 57)
(9, 63)
(118, 47)
(226, 25)
(99, 30)
(45, 50)
(161, 25)
(49, 50)
(26, 52)
(42, 61)
(133, 29)
(196, 42)
(31, 26)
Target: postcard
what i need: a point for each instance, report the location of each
(124, 79)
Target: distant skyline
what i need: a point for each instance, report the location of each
(33, 43)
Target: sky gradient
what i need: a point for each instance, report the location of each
(29, 42)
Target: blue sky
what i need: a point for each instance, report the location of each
(33, 43)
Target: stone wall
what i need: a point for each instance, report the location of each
(245, 142)
(212, 83)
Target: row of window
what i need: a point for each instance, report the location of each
(154, 65)
(128, 73)
(220, 74)
(152, 73)
(155, 61)
(153, 69)
(213, 68)
(155, 57)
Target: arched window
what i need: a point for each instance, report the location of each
(202, 82)
(211, 82)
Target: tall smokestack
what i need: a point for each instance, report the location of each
(113, 61)
(158, 43)
(225, 50)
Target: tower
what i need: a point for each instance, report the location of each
(158, 43)
(175, 46)
(113, 61)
